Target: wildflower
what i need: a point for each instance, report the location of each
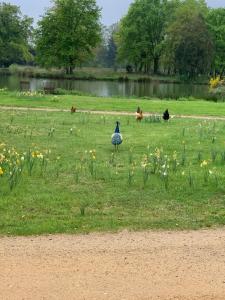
(157, 153)
(2, 157)
(144, 165)
(174, 155)
(34, 154)
(1, 171)
(214, 82)
(204, 163)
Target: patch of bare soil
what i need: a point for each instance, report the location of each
(124, 266)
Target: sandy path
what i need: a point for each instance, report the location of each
(113, 113)
(124, 266)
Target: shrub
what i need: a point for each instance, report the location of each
(217, 88)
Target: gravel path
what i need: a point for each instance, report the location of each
(124, 266)
(113, 113)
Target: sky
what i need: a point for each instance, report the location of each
(112, 10)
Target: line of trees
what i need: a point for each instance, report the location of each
(182, 37)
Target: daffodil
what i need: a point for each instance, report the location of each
(1, 171)
(204, 163)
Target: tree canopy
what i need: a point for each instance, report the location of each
(182, 37)
(67, 33)
(142, 31)
(188, 41)
(15, 35)
(216, 22)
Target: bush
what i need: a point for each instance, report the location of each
(217, 89)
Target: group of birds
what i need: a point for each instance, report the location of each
(117, 138)
(139, 115)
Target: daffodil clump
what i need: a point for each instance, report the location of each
(214, 82)
(217, 88)
(2, 90)
(12, 163)
(157, 163)
(31, 93)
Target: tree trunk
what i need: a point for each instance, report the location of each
(156, 64)
(222, 72)
(69, 70)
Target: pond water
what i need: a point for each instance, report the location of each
(109, 88)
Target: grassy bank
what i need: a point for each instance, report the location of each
(61, 174)
(91, 74)
(185, 107)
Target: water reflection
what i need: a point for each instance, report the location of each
(109, 88)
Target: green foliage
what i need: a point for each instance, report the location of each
(142, 32)
(15, 35)
(216, 22)
(189, 43)
(217, 89)
(67, 33)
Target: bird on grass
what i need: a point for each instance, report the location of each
(117, 138)
(73, 110)
(166, 115)
(139, 114)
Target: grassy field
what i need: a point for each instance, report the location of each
(60, 174)
(194, 107)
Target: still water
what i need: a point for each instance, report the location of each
(110, 88)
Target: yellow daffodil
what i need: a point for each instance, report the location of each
(204, 163)
(1, 171)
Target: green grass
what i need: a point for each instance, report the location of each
(195, 107)
(70, 196)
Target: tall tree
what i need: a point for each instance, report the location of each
(68, 33)
(216, 21)
(142, 31)
(111, 46)
(15, 35)
(189, 41)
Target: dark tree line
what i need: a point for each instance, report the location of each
(182, 37)
(174, 37)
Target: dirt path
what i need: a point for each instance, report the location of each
(113, 113)
(124, 266)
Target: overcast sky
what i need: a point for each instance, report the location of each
(112, 10)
